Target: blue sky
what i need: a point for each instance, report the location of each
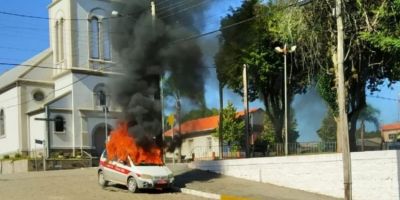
(22, 38)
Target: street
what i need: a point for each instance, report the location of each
(71, 185)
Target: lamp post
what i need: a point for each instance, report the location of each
(285, 51)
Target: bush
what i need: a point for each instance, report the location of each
(17, 155)
(6, 157)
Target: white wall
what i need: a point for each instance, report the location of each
(200, 147)
(65, 139)
(375, 173)
(37, 130)
(10, 143)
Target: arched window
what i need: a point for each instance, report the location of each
(94, 38)
(56, 41)
(61, 40)
(2, 129)
(59, 124)
(101, 95)
(106, 40)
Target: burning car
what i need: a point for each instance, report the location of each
(134, 176)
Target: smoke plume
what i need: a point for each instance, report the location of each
(148, 47)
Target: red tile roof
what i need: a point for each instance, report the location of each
(390, 127)
(202, 124)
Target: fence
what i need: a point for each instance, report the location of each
(212, 152)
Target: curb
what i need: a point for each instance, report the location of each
(198, 193)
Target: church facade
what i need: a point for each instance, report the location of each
(62, 95)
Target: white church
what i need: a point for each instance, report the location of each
(59, 95)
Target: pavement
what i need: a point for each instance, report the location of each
(78, 184)
(215, 186)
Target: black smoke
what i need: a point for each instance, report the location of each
(148, 47)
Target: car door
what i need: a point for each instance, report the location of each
(122, 169)
(106, 166)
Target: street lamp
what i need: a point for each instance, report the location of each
(285, 51)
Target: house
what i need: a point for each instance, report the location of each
(198, 139)
(58, 95)
(390, 132)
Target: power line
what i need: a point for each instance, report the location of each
(384, 98)
(184, 9)
(52, 92)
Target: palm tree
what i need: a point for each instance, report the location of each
(369, 114)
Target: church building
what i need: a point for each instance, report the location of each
(62, 95)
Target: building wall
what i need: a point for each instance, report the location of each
(200, 146)
(83, 9)
(28, 104)
(63, 84)
(375, 173)
(386, 134)
(37, 130)
(64, 140)
(10, 143)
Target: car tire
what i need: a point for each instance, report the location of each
(102, 182)
(132, 185)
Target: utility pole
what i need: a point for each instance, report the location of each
(246, 109)
(178, 119)
(341, 92)
(161, 82)
(221, 118)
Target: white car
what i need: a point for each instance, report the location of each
(135, 177)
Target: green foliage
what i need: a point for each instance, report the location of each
(326, 89)
(370, 114)
(253, 43)
(233, 128)
(327, 132)
(372, 45)
(199, 113)
(6, 157)
(268, 134)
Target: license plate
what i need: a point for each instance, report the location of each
(162, 182)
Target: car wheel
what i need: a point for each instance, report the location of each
(132, 185)
(102, 182)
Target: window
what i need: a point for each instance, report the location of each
(56, 42)
(38, 95)
(59, 44)
(209, 143)
(190, 144)
(101, 96)
(94, 38)
(59, 124)
(2, 129)
(106, 40)
(393, 137)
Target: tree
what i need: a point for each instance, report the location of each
(253, 43)
(233, 132)
(199, 113)
(372, 43)
(327, 132)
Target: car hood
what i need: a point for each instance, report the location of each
(153, 170)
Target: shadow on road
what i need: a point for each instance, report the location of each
(194, 175)
(123, 188)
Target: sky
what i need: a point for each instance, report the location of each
(22, 38)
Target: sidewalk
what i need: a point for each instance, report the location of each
(201, 183)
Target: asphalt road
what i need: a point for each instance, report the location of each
(80, 184)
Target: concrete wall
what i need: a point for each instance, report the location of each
(20, 166)
(375, 174)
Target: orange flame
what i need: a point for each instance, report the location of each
(122, 145)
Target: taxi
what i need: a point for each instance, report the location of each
(134, 176)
